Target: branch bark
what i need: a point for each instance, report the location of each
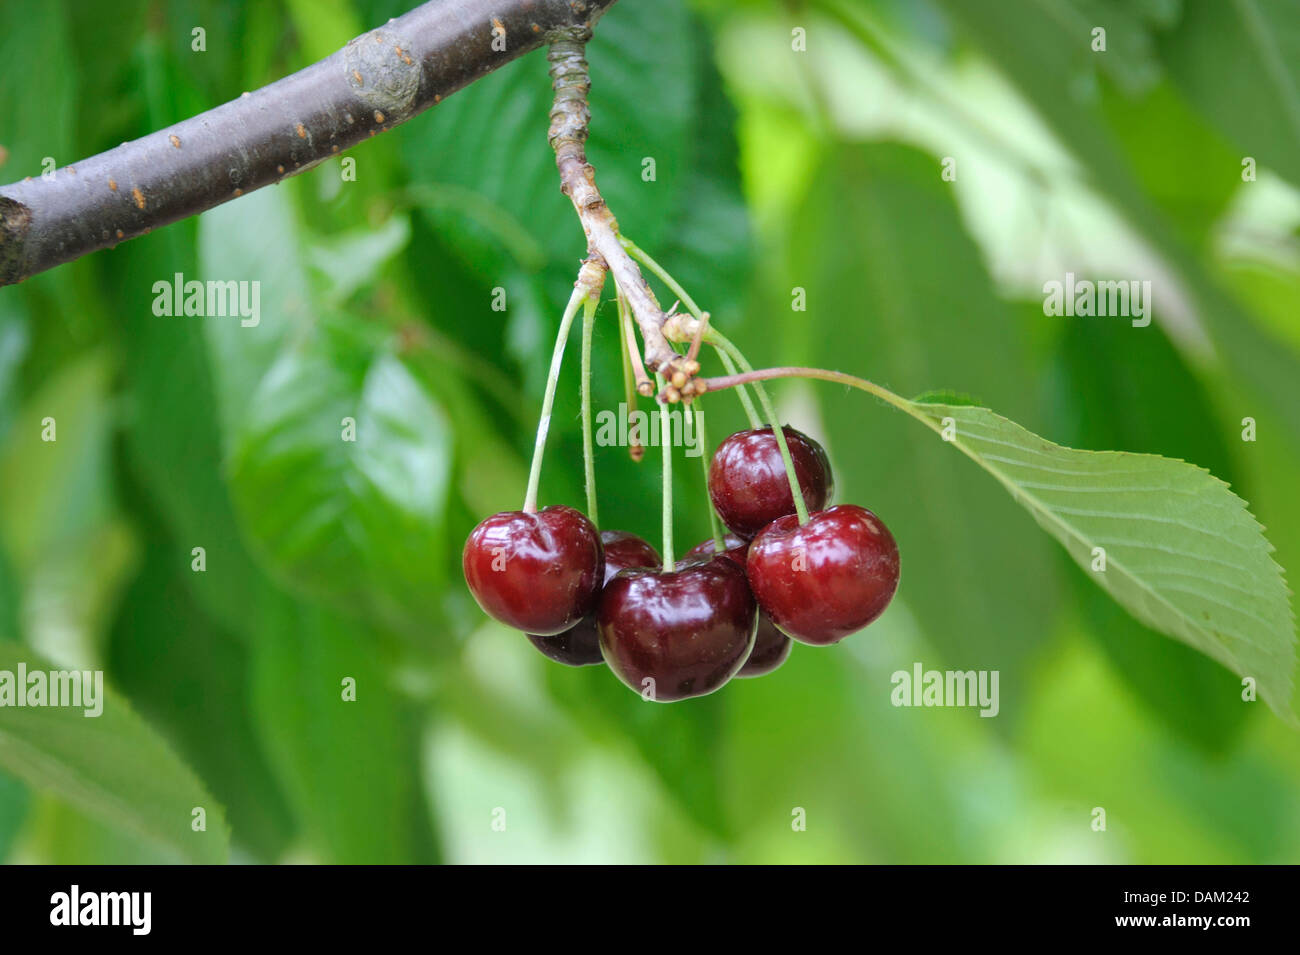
(378, 81)
(570, 123)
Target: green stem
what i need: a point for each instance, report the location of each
(588, 452)
(721, 341)
(750, 412)
(635, 451)
(719, 536)
(666, 439)
(822, 374)
(548, 399)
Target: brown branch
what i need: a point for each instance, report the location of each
(570, 119)
(379, 80)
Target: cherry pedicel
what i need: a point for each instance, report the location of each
(671, 635)
(748, 483)
(540, 573)
(580, 644)
(771, 646)
(826, 579)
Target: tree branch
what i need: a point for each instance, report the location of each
(379, 80)
(570, 120)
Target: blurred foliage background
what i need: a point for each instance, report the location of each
(775, 168)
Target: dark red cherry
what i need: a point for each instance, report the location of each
(771, 646)
(674, 635)
(736, 547)
(826, 579)
(748, 484)
(540, 573)
(580, 644)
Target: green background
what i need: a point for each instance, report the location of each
(775, 168)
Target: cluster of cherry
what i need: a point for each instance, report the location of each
(586, 597)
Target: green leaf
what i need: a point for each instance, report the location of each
(14, 800)
(323, 26)
(350, 766)
(1183, 553)
(254, 240)
(1149, 401)
(112, 766)
(198, 689)
(349, 260)
(341, 474)
(68, 547)
(338, 458)
(14, 341)
(1225, 54)
(490, 141)
(35, 127)
(1046, 57)
(877, 227)
(171, 431)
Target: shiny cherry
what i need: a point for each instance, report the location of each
(735, 547)
(826, 579)
(540, 573)
(677, 634)
(771, 646)
(748, 484)
(580, 644)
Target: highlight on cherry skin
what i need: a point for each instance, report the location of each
(771, 646)
(671, 635)
(585, 597)
(580, 644)
(748, 483)
(540, 573)
(826, 579)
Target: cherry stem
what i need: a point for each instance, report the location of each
(796, 492)
(634, 449)
(701, 436)
(666, 439)
(580, 293)
(588, 452)
(643, 385)
(642, 256)
(750, 411)
(820, 374)
(694, 351)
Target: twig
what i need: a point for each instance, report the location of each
(379, 80)
(570, 120)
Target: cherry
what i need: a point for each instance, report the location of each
(670, 635)
(735, 547)
(771, 646)
(580, 644)
(826, 579)
(748, 483)
(540, 573)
